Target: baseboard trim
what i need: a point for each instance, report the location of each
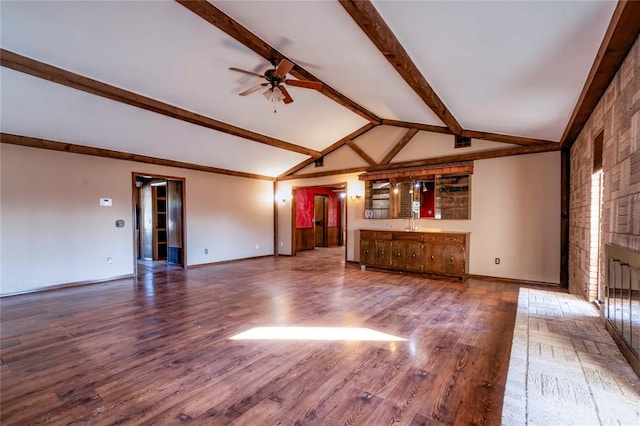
(223, 262)
(66, 285)
(514, 281)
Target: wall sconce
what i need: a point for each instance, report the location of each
(355, 197)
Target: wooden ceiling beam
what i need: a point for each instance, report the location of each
(505, 152)
(35, 68)
(338, 144)
(371, 22)
(324, 173)
(404, 140)
(622, 32)
(231, 27)
(119, 155)
(418, 126)
(487, 136)
(361, 152)
(497, 137)
(483, 155)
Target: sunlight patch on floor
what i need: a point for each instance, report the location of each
(316, 333)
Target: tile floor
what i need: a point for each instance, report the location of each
(565, 369)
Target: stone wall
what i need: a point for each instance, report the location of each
(618, 116)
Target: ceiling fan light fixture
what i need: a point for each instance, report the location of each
(278, 96)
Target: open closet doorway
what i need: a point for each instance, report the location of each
(319, 220)
(158, 216)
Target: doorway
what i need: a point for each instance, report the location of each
(321, 213)
(159, 223)
(319, 218)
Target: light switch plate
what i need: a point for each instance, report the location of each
(105, 202)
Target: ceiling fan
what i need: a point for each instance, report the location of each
(275, 77)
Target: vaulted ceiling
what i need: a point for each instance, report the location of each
(151, 80)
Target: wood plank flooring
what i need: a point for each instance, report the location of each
(157, 351)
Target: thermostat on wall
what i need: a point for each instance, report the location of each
(105, 202)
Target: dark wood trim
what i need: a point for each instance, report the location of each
(504, 152)
(565, 191)
(404, 140)
(361, 153)
(231, 27)
(498, 153)
(513, 281)
(622, 32)
(68, 285)
(66, 78)
(275, 219)
(226, 262)
(497, 137)
(119, 155)
(372, 24)
(325, 173)
(328, 150)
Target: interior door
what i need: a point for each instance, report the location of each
(320, 220)
(174, 222)
(146, 222)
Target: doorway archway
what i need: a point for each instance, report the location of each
(158, 217)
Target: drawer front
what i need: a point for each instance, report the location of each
(453, 239)
(407, 236)
(369, 235)
(383, 235)
(433, 238)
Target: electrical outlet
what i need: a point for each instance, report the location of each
(281, 243)
(497, 260)
(109, 260)
(257, 246)
(206, 251)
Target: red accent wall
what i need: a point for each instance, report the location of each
(305, 207)
(428, 201)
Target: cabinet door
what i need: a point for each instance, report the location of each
(367, 251)
(433, 258)
(398, 254)
(413, 253)
(383, 253)
(453, 259)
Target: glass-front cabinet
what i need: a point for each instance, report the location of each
(437, 196)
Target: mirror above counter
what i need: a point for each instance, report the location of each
(442, 192)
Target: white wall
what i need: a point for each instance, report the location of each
(515, 215)
(53, 230)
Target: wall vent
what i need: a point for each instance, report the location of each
(462, 142)
(319, 162)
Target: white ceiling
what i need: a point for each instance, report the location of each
(515, 68)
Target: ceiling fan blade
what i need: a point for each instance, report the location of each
(287, 97)
(246, 72)
(307, 84)
(283, 68)
(252, 89)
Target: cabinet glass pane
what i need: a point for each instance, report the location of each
(377, 199)
(452, 196)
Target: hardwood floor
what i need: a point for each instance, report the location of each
(158, 351)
